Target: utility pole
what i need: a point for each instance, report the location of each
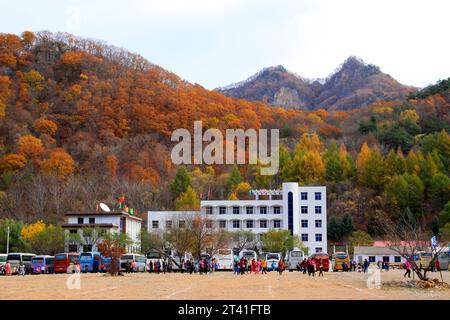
(7, 240)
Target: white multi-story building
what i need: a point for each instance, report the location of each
(113, 221)
(300, 209)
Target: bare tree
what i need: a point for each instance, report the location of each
(408, 238)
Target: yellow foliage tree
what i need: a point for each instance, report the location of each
(59, 163)
(46, 126)
(30, 147)
(31, 230)
(12, 162)
(362, 157)
(409, 115)
(188, 200)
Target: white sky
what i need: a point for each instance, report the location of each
(218, 42)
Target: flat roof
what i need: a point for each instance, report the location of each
(89, 225)
(102, 213)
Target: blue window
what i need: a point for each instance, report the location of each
(304, 223)
(304, 209)
(318, 209)
(263, 210)
(318, 223)
(304, 237)
(318, 195)
(304, 195)
(249, 224)
(236, 224)
(277, 210)
(318, 237)
(277, 223)
(249, 210)
(263, 224)
(318, 249)
(235, 210)
(290, 212)
(397, 259)
(222, 210)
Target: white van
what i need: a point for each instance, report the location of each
(248, 254)
(224, 258)
(293, 258)
(272, 258)
(139, 259)
(153, 256)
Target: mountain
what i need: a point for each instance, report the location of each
(353, 85)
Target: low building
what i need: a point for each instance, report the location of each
(300, 209)
(113, 221)
(375, 254)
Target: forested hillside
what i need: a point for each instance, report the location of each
(82, 122)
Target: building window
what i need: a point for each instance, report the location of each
(371, 258)
(276, 210)
(318, 250)
(222, 210)
(277, 223)
(181, 224)
(87, 247)
(304, 209)
(318, 237)
(209, 210)
(263, 224)
(169, 224)
(318, 195)
(222, 224)
(318, 209)
(304, 237)
(80, 221)
(91, 220)
(318, 223)
(263, 210)
(249, 210)
(235, 210)
(386, 259)
(397, 259)
(155, 224)
(236, 224)
(304, 196)
(208, 224)
(73, 231)
(304, 223)
(73, 248)
(249, 224)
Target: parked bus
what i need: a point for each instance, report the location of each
(139, 259)
(322, 257)
(248, 254)
(177, 258)
(224, 258)
(272, 259)
(15, 258)
(43, 264)
(339, 258)
(293, 258)
(90, 261)
(65, 262)
(153, 256)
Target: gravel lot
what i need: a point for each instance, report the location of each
(219, 285)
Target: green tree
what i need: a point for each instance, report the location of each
(360, 238)
(233, 180)
(333, 166)
(180, 183)
(279, 241)
(443, 147)
(347, 224)
(334, 230)
(439, 189)
(373, 175)
(50, 241)
(444, 215)
(16, 243)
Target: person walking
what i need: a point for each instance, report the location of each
(304, 265)
(281, 266)
(200, 267)
(320, 268)
(311, 266)
(366, 265)
(8, 270)
(128, 266)
(21, 269)
(264, 266)
(408, 269)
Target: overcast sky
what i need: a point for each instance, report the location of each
(218, 42)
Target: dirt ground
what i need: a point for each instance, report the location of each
(218, 286)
